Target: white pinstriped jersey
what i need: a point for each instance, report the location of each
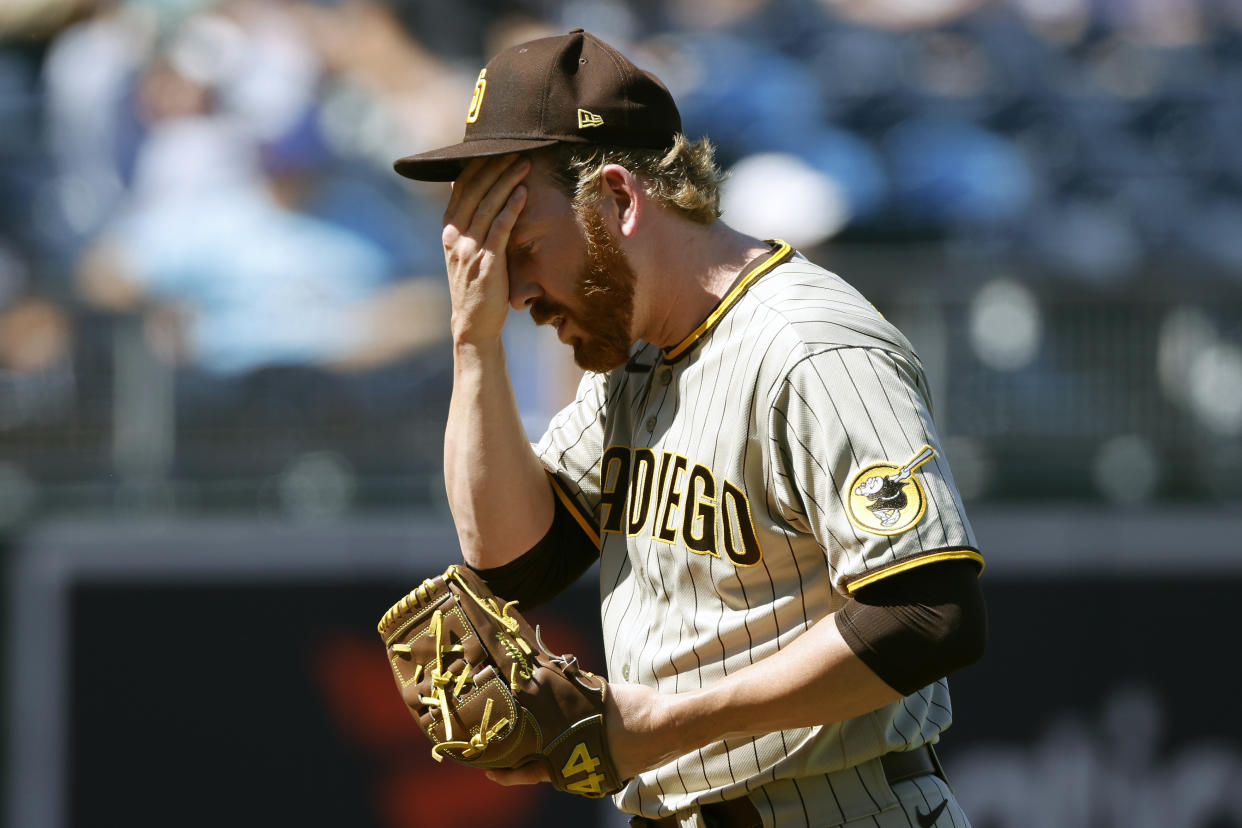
(741, 484)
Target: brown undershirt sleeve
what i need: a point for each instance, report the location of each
(917, 626)
(549, 567)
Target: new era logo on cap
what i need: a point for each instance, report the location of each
(571, 88)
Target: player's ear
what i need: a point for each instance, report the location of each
(621, 204)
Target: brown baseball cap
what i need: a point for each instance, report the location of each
(571, 88)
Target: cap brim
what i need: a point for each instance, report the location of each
(446, 163)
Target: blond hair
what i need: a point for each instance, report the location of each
(684, 177)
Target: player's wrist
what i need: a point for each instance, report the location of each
(686, 721)
(475, 335)
(477, 353)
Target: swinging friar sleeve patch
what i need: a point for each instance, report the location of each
(485, 690)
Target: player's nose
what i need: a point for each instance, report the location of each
(522, 292)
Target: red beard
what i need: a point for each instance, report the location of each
(606, 309)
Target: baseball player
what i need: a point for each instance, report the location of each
(786, 572)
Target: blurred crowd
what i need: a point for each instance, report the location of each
(209, 272)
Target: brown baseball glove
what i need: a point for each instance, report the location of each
(488, 693)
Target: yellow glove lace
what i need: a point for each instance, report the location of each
(418, 595)
(478, 742)
(501, 615)
(441, 679)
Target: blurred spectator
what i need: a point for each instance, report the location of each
(901, 14)
(34, 18)
(954, 174)
(221, 169)
(91, 128)
(36, 369)
(206, 233)
(384, 88)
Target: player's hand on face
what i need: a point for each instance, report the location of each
(487, 198)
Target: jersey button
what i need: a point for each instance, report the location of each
(625, 672)
(651, 423)
(666, 376)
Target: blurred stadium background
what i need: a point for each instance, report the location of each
(223, 375)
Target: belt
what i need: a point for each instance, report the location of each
(741, 813)
(911, 763)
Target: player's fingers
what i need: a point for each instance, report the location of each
(529, 774)
(475, 182)
(497, 233)
(498, 236)
(462, 182)
(497, 198)
(460, 210)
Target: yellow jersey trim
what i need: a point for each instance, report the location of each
(730, 299)
(907, 565)
(569, 503)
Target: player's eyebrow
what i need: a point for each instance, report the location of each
(514, 245)
(524, 229)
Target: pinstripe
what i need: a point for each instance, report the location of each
(939, 723)
(725, 665)
(654, 550)
(837, 489)
(724, 649)
(581, 434)
(911, 445)
(660, 649)
(938, 459)
(942, 470)
(862, 332)
(904, 811)
(924, 698)
(807, 492)
(727, 328)
(617, 390)
(582, 476)
(918, 784)
(753, 427)
(914, 405)
(863, 782)
(832, 789)
(939, 790)
(799, 365)
(952, 812)
(698, 661)
(853, 453)
(839, 353)
(802, 801)
(767, 800)
(694, 592)
(680, 779)
(821, 287)
(617, 628)
(906, 709)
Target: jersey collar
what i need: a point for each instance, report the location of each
(750, 274)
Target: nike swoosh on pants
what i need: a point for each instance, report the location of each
(928, 820)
